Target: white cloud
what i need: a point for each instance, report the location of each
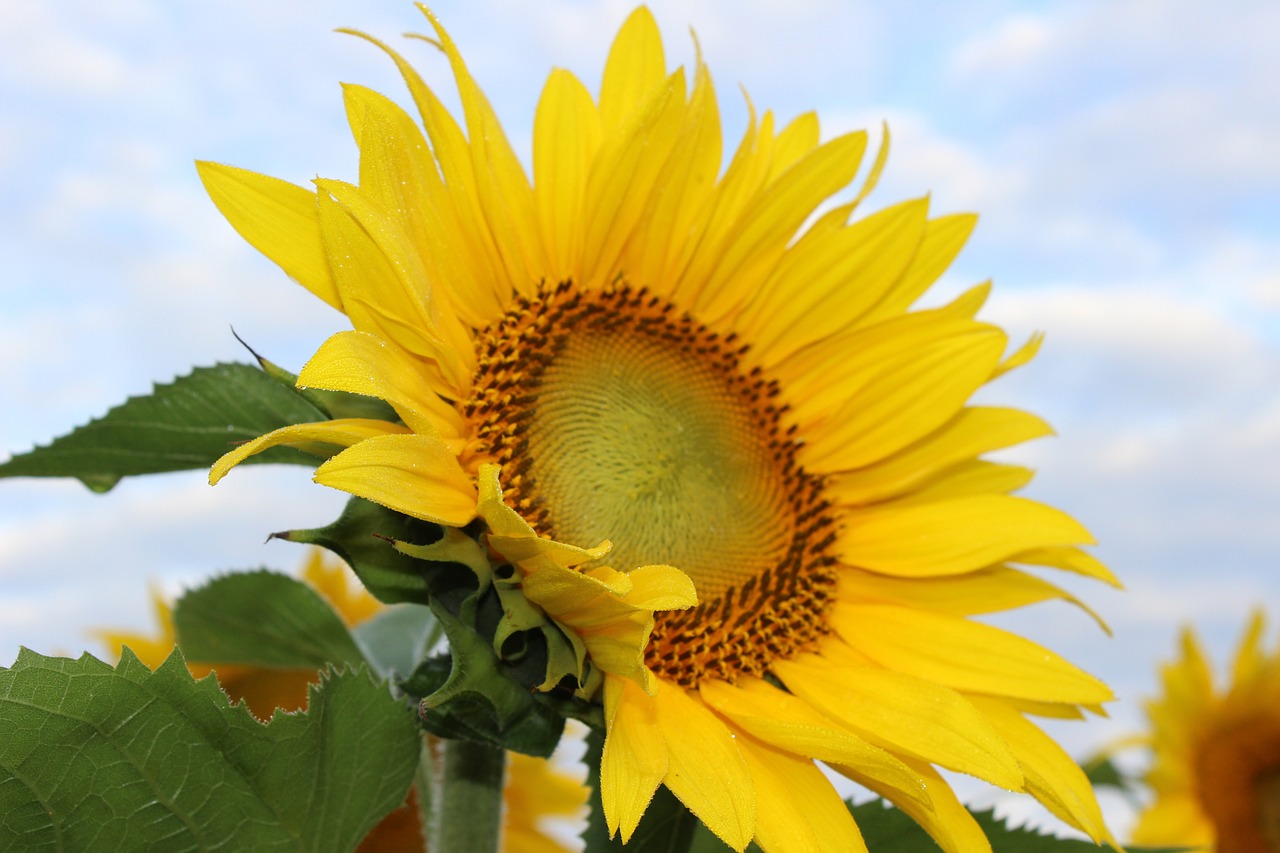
(78, 561)
(1019, 41)
(1171, 97)
(38, 51)
(1147, 325)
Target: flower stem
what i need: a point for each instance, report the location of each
(468, 801)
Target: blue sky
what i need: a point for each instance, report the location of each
(1122, 156)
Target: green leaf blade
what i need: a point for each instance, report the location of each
(262, 618)
(183, 425)
(102, 758)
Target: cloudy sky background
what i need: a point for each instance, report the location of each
(1123, 156)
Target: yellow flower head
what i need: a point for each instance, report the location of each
(1216, 769)
(713, 368)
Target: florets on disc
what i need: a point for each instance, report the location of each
(616, 416)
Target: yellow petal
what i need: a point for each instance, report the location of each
(963, 654)
(1176, 818)
(361, 363)
(512, 536)
(566, 135)
(788, 722)
(635, 755)
(903, 400)
(1024, 354)
(486, 287)
(1070, 560)
(504, 193)
(793, 143)
(661, 588)
(873, 176)
(681, 194)
(566, 589)
(905, 715)
(946, 819)
(825, 283)
(819, 380)
(988, 590)
(796, 806)
(1250, 659)
(1053, 777)
(397, 170)
(414, 474)
(974, 431)
(771, 220)
(717, 226)
(707, 771)
(343, 432)
(943, 239)
(973, 477)
(276, 218)
(954, 536)
(635, 67)
(623, 176)
(385, 289)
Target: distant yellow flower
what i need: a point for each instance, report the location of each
(716, 371)
(1216, 769)
(538, 791)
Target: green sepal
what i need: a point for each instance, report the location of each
(262, 618)
(96, 757)
(516, 614)
(363, 535)
(486, 689)
(186, 424)
(530, 644)
(470, 695)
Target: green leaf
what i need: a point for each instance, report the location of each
(889, 830)
(186, 424)
(667, 826)
(360, 537)
(262, 618)
(103, 759)
(886, 829)
(1103, 772)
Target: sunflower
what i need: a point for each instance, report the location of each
(536, 790)
(715, 369)
(1216, 769)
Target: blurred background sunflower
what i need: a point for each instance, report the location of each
(1215, 749)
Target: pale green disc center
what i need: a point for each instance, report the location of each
(656, 449)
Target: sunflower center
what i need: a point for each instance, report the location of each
(1266, 793)
(1238, 770)
(616, 417)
